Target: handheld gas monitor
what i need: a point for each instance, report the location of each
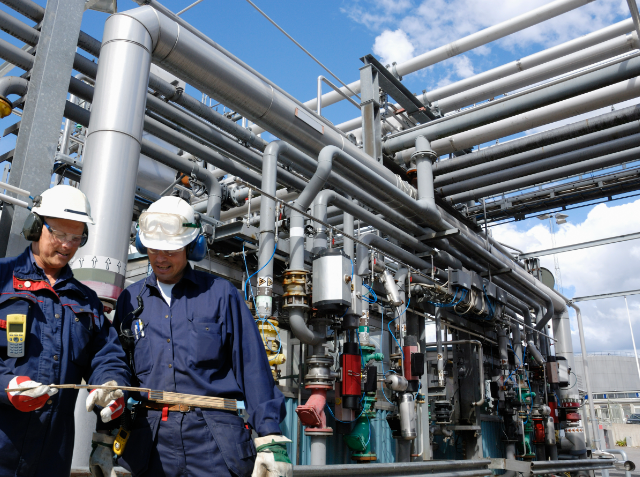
(16, 335)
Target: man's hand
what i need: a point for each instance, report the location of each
(31, 400)
(111, 401)
(272, 459)
(101, 460)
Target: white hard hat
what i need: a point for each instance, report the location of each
(64, 202)
(168, 224)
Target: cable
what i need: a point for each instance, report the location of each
(344, 422)
(366, 298)
(302, 48)
(383, 373)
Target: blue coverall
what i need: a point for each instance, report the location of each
(206, 343)
(68, 338)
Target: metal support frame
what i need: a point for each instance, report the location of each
(370, 107)
(42, 116)
(578, 246)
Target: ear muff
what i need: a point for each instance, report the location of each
(142, 250)
(86, 235)
(197, 249)
(32, 228)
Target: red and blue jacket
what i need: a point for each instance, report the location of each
(68, 339)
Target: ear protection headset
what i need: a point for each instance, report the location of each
(196, 250)
(32, 229)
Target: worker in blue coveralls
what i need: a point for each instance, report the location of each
(195, 335)
(52, 331)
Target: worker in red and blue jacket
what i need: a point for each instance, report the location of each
(195, 335)
(66, 339)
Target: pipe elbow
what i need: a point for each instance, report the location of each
(302, 331)
(10, 85)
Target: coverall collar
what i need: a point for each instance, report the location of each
(189, 274)
(27, 269)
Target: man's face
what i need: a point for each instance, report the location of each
(168, 266)
(53, 252)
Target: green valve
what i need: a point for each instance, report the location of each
(359, 439)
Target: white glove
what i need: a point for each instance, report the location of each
(111, 400)
(101, 460)
(32, 399)
(272, 459)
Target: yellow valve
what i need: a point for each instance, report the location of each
(269, 333)
(5, 107)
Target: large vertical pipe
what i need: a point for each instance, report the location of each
(564, 347)
(112, 151)
(264, 298)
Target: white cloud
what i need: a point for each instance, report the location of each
(393, 46)
(592, 271)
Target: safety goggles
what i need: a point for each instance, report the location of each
(169, 225)
(63, 237)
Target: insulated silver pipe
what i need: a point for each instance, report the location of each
(554, 102)
(538, 140)
(112, 151)
(550, 174)
(212, 72)
(552, 69)
(515, 67)
(537, 154)
(517, 169)
(495, 32)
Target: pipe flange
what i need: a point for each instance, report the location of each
(428, 154)
(295, 289)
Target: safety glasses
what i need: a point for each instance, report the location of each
(63, 237)
(170, 225)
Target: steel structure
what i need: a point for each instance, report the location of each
(414, 182)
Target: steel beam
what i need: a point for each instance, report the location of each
(605, 295)
(578, 246)
(40, 125)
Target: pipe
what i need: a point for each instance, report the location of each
(570, 169)
(533, 109)
(535, 352)
(557, 150)
(328, 197)
(587, 378)
(112, 147)
(467, 43)
(439, 348)
(200, 64)
(623, 454)
(264, 298)
(296, 242)
(517, 343)
(539, 140)
(283, 194)
(362, 254)
(515, 67)
(552, 69)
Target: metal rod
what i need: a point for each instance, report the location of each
(633, 340)
(188, 8)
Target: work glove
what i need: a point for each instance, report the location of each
(101, 459)
(111, 400)
(272, 459)
(31, 400)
